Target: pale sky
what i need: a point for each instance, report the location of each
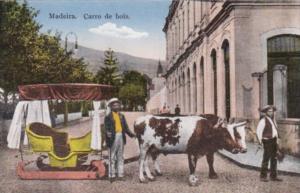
(139, 35)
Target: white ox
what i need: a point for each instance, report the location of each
(194, 135)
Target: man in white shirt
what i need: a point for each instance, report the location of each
(267, 135)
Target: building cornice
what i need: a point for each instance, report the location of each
(262, 2)
(172, 10)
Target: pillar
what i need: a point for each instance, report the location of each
(181, 16)
(280, 90)
(193, 96)
(186, 20)
(197, 11)
(221, 84)
(187, 95)
(199, 91)
(191, 15)
(182, 96)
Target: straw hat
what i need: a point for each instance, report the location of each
(267, 107)
(113, 100)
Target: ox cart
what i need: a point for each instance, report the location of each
(67, 156)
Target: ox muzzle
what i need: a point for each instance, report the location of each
(238, 150)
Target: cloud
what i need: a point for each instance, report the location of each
(112, 30)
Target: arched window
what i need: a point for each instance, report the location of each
(179, 33)
(183, 26)
(194, 87)
(285, 50)
(179, 91)
(202, 83)
(183, 98)
(175, 93)
(213, 56)
(188, 17)
(188, 88)
(225, 48)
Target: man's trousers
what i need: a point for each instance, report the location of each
(270, 154)
(116, 160)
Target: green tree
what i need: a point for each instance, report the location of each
(18, 37)
(109, 73)
(134, 78)
(28, 56)
(55, 65)
(132, 95)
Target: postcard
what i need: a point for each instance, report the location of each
(150, 96)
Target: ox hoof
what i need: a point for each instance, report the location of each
(144, 181)
(157, 173)
(193, 180)
(213, 176)
(151, 179)
(194, 183)
(145, 174)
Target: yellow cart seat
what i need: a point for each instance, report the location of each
(81, 144)
(43, 138)
(62, 152)
(39, 143)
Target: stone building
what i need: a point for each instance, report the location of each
(158, 82)
(231, 57)
(158, 91)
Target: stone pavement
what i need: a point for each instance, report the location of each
(252, 159)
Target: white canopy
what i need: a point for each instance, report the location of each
(37, 111)
(96, 130)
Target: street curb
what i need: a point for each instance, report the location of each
(255, 167)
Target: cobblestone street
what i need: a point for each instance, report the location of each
(175, 173)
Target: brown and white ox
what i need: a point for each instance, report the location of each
(195, 136)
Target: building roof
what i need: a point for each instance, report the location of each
(172, 9)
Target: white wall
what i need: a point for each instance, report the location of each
(156, 102)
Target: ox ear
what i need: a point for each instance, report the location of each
(231, 120)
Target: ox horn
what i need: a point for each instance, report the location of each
(219, 123)
(240, 124)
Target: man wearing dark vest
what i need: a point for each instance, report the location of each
(267, 134)
(115, 128)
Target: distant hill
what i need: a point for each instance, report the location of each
(126, 61)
